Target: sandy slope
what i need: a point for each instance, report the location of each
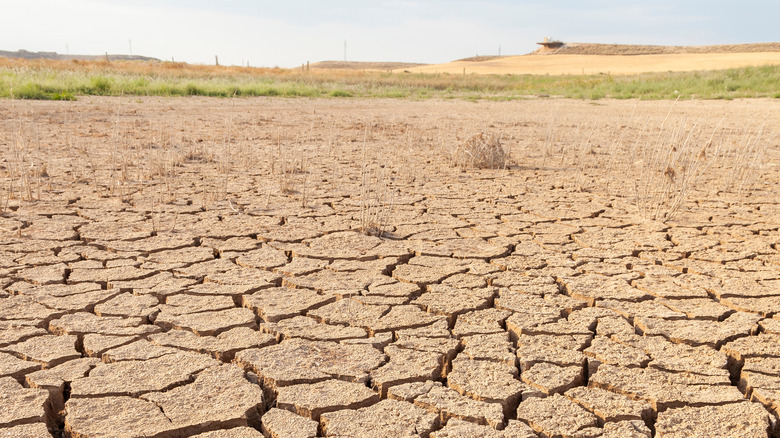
(594, 64)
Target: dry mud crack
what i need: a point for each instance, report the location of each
(287, 268)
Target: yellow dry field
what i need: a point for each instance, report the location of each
(595, 64)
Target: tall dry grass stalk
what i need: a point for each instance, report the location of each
(744, 156)
(375, 195)
(284, 166)
(657, 163)
(672, 166)
(27, 171)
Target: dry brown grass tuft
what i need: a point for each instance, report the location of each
(482, 151)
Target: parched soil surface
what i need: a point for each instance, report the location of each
(249, 267)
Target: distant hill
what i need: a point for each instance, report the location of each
(355, 65)
(589, 58)
(24, 54)
(630, 49)
(560, 58)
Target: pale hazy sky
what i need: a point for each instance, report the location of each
(289, 33)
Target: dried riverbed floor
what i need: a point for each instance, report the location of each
(301, 268)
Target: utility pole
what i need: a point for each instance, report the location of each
(216, 59)
(345, 50)
(499, 50)
(67, 51)
(130, 46)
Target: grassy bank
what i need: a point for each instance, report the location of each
(22, 79)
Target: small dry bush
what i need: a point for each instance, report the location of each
(482, 151)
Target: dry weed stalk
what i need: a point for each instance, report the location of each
(671, 169)
(744, 158)
(582, 161)
(482, 151)
(25, 169)
(285, 167)
(375, 204)
(613, 162)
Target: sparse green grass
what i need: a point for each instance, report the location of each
(64, 80)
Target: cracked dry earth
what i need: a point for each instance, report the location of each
(196, 268)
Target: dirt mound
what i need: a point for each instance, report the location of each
(628, 49)
(356, 65)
